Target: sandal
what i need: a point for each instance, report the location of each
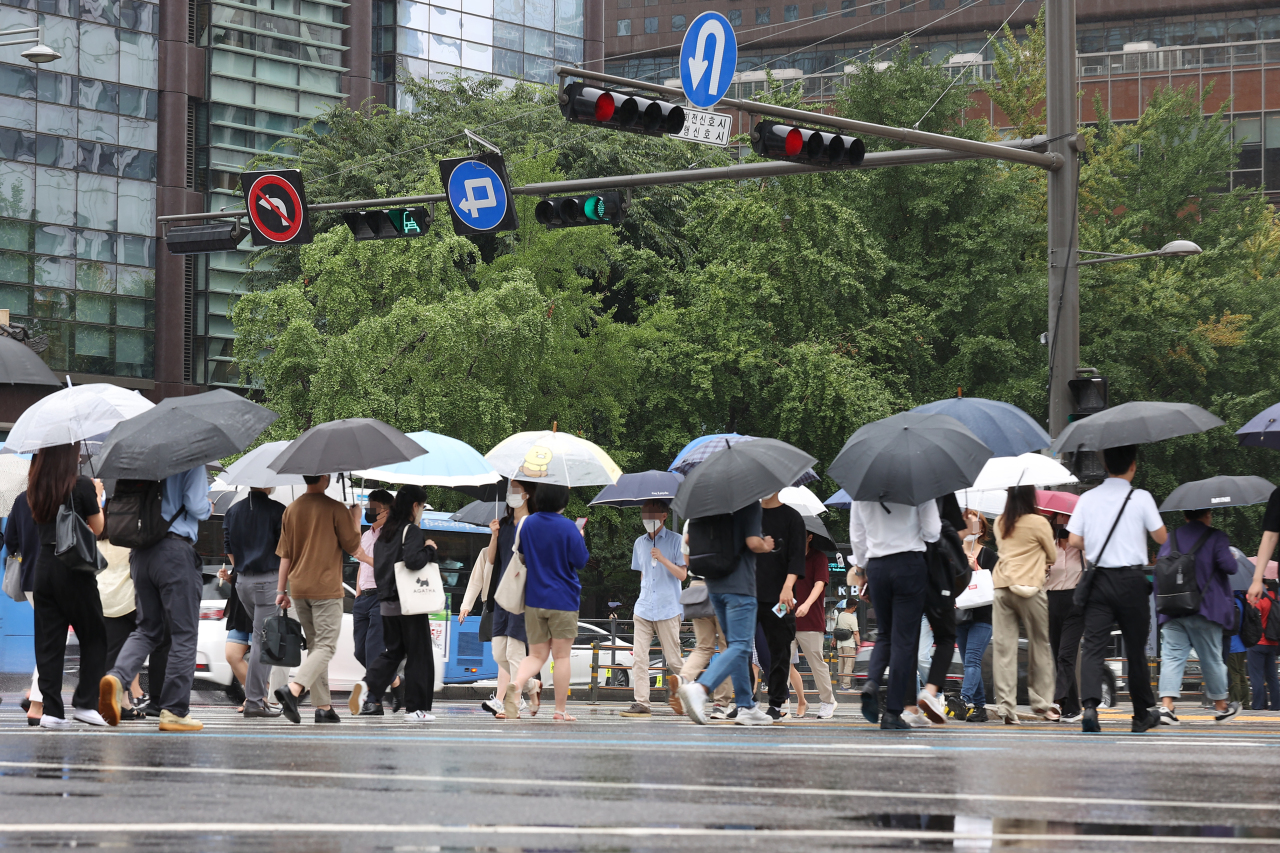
(510, 704)
(535, 699)
(563, 717)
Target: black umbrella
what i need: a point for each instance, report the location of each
(822, 540)
(353, 444)
(181, 433)
(20, 366)
(480, 513)
(1139, 422)
(738, 475)
(635, 489)
(909, 458)
(1218, 492)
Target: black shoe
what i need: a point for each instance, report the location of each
(1089, 722)
(397, 697)
(956, 708)
(733, 713)
(327, 716)
(372, 709)
(254, 710)
(871, 704)
(1149, 720)
(775, 713)
(977, 715)
(890, 720)
(151, 710)
(235, 692)
(288, 704)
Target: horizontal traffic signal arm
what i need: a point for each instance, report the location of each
(586, 104)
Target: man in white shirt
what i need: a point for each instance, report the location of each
(657, 557)
(888, 540)
(1110, 525)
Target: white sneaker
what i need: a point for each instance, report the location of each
(88, 715)
(694, 698)
(931, 706)
(47, 722)
(753, 717)
(524, 706)
(827, 710)
(718, 712)
(419, 717)
(916, 721)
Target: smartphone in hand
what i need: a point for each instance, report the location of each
(582, 523)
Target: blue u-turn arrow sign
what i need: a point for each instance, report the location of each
(708, 59)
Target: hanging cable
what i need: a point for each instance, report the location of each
(965, 70)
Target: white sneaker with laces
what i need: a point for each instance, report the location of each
(419, 717)
(916, 721)
(718, 712)
(753, 717)
(827, 710)
(931, 706)
(1168, 717)
(1233, 708)
(48, 722)
(88, 715)
(694, 698)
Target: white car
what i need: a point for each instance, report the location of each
(580, 658)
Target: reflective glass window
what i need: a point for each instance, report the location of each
(18, 82)
(16, 299)
(509, 10)
(478, 57)
(445, 50)
(539, 43)
(93, 308)
(508, 36)
(15, 235)
(677, 23)
(16, 145)
(136, 250)
(92, 341)
(94, 246)
(477, 29)
(56, 240)
(735, 16)
(624, 27)
(415, 15)
(97, 203)
(508, 63)
(540, 14)
(63, 35)
(139, 60)
(57, 88)
(131, 312)
(17, 189)
(446, 22)
(55, 272)
(133, 349)
(137, 207)
(53, 303)
(139, 103)
(569, 17)
(58, 120)
(99, 52)
(538, 69)
(650, 25)
(138, 133)
(568, 49)
(56, 195)
(57, 152)
(99, 127)
(17, 113)
(15, 268)
(101, 11)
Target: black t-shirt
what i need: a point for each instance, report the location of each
(1271, 521)
(786, 527)
(84, 500)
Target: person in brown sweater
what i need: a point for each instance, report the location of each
(314, 532)
(1027, 549)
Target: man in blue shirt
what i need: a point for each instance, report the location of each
(251, 532)
(168, 584)
(657, 557)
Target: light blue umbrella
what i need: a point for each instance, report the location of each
(697, 442)
(840, 500)
(447, 462)
(1003, 427)
(1263, 430)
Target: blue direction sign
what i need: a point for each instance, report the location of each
(479, 196)
(708, 58)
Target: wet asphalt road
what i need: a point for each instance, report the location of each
(469, 782)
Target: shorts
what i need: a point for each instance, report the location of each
(241, 637)
(543, 625)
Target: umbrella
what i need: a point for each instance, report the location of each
(480, 513)
(802, 500)
(822, 540)
(554, 457)
(1029, 469)
(909, 458)
(1271, 572)
(989, 504)
(13, 480)
(738, 475)
(73, 414)
(1139, 422)
(840, 500)
(635, 489)
(352, 444)
(181, 433)
(20, 366)
(1063, 502)
(1218, 492)
(445, 462)
(1003, 427)
(251, 469)
(1263, 429)
(729, 437)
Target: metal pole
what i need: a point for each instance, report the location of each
(594, 693)
(1064, 274)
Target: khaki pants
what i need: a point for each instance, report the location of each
(847, 657)
(508, 654)
(1008, 609)
(810, 643)
(668, 633)
(707, 637)
(321, 620)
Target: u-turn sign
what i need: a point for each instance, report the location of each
(708, 58)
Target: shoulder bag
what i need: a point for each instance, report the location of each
(696, 600)
(1085, 586)
(510, 592)
(420, 591)
(282, 641)
(13, 578)
(75, 545)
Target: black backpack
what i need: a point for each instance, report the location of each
(1177, 590)
(1250, 622)
(134, 519)
(1270, 625)
(949, 569)
(713, 553)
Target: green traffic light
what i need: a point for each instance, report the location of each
(404, 222)
(594, 208)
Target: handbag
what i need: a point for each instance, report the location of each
(696, 601)
(485, 631)
(510, 592)
(420, 591)
(13, 578)
(1085, 586)
(282, 641)
(74, 543)
(980, 592)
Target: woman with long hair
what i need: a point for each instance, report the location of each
(507, 638)
(407, 637)
(66, 597)
(1027, 550)
(973, 626)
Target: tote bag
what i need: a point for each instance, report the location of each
(420, 591)
(980, 592)
(510, 592)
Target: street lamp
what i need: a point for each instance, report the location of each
(1176, 249)
(39, 54)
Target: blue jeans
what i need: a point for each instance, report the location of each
(737, 615)
(366, 628)
(1178, 636)
(972, 639)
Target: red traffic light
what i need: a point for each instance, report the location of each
(803, 145)
(582, 103)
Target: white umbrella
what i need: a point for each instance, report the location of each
(548, 456)
(1029, 469)
(13, 480)
(74, 414)
(251, 469)
(989, 503)
(802, 500)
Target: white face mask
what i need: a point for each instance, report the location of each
(972, 537)
(653, 525)
(515, 500)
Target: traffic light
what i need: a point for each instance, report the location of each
(575, 210)
(804, 145)
(1089, 396)
(198, 239)
(388, 224)
(589, 105)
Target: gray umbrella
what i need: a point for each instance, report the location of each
(738, 475)
(353, 444)
(1218, 492)
(822, 539)
(20, 366)
(1139, 422)
(181, 433)
(480, 513)
(909, 458)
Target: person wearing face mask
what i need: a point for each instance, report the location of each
(657, 557)
(1066, 621)
(507, 640)
(366, 613)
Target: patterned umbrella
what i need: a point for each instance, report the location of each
(697, 451)
(548, 456)
(13, 480)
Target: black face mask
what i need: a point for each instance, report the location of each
(370, 515)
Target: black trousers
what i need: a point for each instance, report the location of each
(779, 633)
(1066, 626)
(408, 639)
(118, 630)
(67, 598)
(942, 621)
(1119, 596)
(897, 585)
